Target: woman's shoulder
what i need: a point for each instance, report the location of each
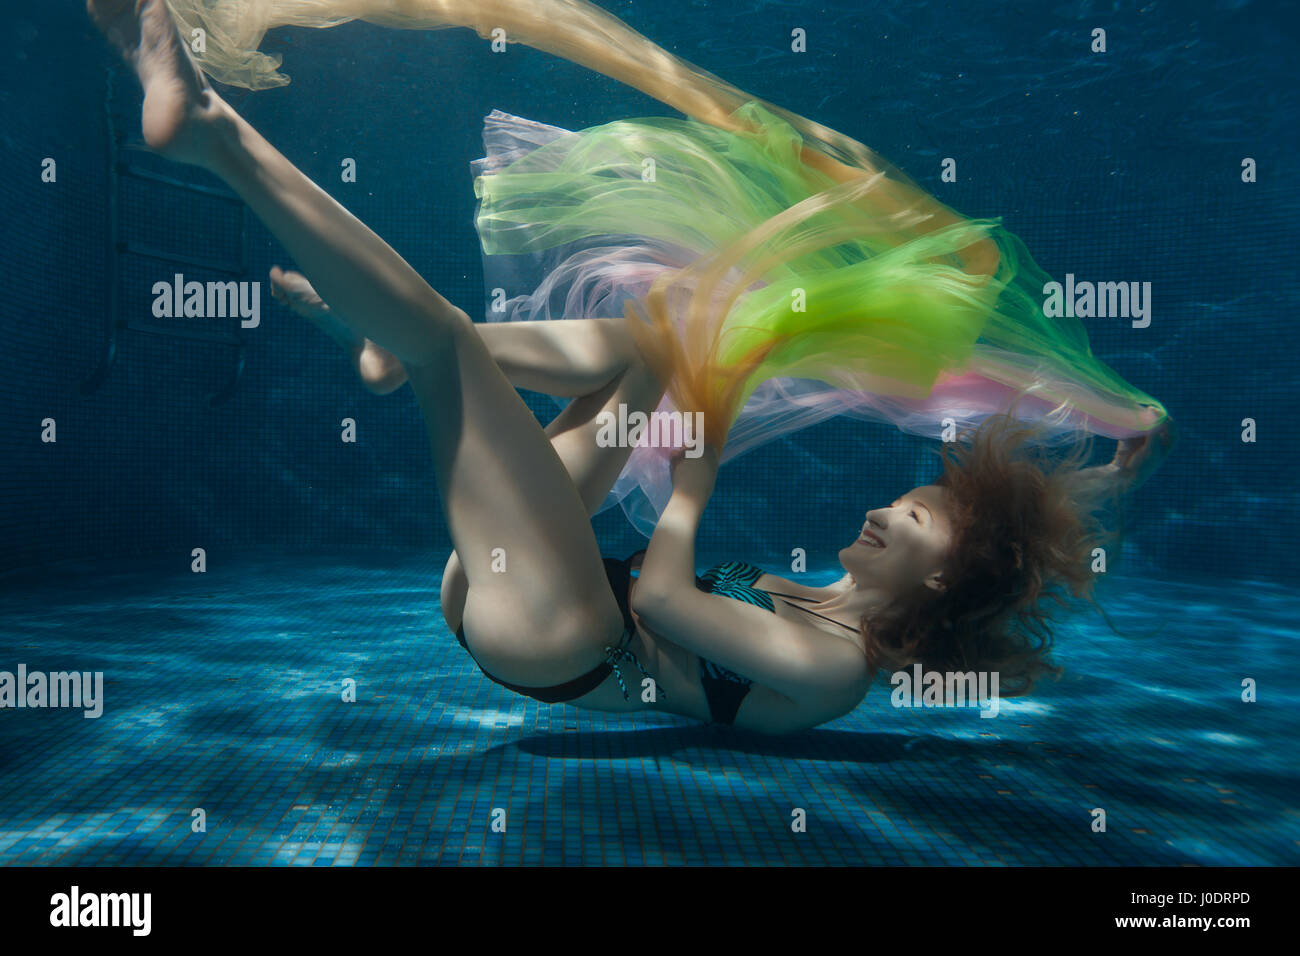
(772, 582)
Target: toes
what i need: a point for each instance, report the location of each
(288, 281)
(282, 287)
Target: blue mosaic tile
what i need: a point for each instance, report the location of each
(233, 706)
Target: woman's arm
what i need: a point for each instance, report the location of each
(669, 562)
(793, 659)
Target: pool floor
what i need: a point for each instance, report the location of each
(223, 702)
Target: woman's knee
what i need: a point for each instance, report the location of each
(445, 329)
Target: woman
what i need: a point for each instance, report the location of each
(780, 272)
(527, 590)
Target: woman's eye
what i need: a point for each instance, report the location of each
(913, 514)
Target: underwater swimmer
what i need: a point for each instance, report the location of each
(736, 646)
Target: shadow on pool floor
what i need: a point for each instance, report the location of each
(223, 695)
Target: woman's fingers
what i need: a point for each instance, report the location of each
(1128, 450)
(1138, 458)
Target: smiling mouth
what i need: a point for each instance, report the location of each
(870, 539)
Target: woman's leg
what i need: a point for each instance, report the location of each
(562, 357)
(378, 368)
(593, 469)
(544, 616)
(585, 34)
(594, 361)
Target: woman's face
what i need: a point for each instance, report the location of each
(902, 545)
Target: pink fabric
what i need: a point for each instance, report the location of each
(596, 279)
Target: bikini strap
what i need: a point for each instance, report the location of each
(808, 610)
(613, 655)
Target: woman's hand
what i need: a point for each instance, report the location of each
(695, 476)
(1136, 459)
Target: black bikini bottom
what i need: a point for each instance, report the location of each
(619, 575)
(723, 689)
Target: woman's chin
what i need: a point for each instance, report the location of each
(857, 560)
(848, 559)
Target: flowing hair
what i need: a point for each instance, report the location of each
(1025, 526)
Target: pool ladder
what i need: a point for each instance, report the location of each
(120, 167)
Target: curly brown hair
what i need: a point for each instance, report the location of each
(1024, 529)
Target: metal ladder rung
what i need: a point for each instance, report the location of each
(179, 258)
(197, 335)
(148, 174)
(118, 167)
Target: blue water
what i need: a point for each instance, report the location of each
(224, 689)
(224, 692)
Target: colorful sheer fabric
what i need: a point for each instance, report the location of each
(777, 273)
(771, 299)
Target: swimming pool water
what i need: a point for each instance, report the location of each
(223, 691)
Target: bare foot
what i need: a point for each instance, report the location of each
(379, 369)
(293, 290)
(177, 98)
